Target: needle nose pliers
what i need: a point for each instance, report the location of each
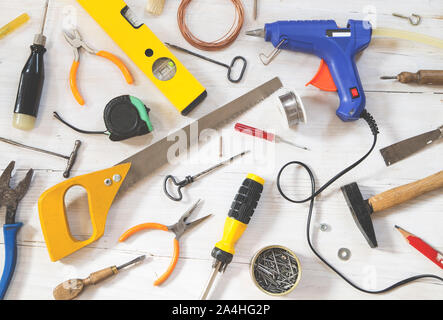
(76, 42)
(178, 229)
(10, 198)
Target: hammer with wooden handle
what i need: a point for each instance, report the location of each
(362, 209)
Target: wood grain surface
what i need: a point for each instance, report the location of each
(400, 110)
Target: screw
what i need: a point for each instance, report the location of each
(117, 177)
(324, 227)
(108, 182)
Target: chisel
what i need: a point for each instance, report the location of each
(239, 215)
(403, 149)
(420, 77)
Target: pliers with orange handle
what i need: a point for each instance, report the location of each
(178, 229)
(76, 42)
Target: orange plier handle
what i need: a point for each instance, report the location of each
(104, 54)
(156, 226)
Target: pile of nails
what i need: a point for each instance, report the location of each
(276, 270)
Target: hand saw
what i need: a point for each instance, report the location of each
(103, 186)
(403, 149)
(147, 52)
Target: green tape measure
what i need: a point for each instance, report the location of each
(125, 117)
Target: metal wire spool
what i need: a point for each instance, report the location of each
(221, 43)
(275, 270)
(292, 109)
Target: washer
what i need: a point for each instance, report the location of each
(344, 254)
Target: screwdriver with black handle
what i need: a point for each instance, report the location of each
(420, 77)
(239, 215)
(31, 82)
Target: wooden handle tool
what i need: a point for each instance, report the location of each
(434, 77)
(406, 192)
(155, 7)
(70, 289)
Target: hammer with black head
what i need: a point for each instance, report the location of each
(362, 209)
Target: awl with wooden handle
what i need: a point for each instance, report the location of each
(403, 149)
(70, 289)
(420, 77)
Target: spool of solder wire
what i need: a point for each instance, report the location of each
(291, 108)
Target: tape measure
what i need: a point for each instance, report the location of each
(125, 117)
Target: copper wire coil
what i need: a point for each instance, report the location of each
(224, 41)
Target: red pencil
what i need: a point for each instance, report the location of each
(422, 247)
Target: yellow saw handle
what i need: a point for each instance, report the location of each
(101, 187)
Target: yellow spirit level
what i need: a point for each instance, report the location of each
(147, 52)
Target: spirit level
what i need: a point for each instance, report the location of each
(147, 52)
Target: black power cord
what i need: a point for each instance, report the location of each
(373, 126)
(57, 116)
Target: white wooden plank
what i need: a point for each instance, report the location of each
(401, 111)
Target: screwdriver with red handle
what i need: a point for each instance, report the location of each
(264, 135)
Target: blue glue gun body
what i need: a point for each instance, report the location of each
(337, 47)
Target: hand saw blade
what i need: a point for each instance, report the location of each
(153, 157)
(403, 149)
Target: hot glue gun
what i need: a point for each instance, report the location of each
(336, 47)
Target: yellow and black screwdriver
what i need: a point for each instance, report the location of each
(239, 215)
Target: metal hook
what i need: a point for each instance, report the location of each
(414, 19)
(229, 67)
(272, 55)
(179, 185)
(242, 72)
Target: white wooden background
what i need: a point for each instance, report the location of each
(400, 110)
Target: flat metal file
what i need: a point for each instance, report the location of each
(403, 149)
